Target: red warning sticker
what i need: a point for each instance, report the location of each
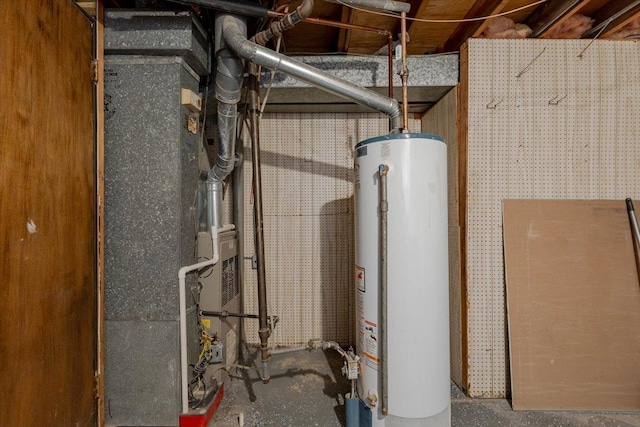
(360, 279)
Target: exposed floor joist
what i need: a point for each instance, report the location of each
(613, 17)
(440, 28)
(548, 16)
(344, 35)
(88, 6)
(465, 30)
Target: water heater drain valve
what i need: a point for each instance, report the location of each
(351, 367)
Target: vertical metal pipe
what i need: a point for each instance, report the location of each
(214, 200)
(238, 220)
(405, 72)
(634, 221)
(390, 56)
(384, 208)
(264, 331)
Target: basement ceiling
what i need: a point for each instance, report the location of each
(436, 26)
(546, 19)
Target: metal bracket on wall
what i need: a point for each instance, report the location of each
(254, 261)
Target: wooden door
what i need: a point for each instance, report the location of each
(47, 216)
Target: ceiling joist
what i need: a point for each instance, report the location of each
(551, 14)
(464, 30)
(612, 17)
(418, 10)
(359, 32)
(346, 16)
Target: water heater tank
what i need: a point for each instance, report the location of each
(417, 359)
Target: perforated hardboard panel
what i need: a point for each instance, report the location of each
(441, 120)
(547, 119)
(307, 175)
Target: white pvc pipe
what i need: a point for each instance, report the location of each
(182, 274)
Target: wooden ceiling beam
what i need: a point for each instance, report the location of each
(549, 15)
(464, 30)
(88, 6)
(612, 17)
(346, 16)
(415, 12)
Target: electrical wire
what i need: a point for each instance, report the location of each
(358, 55)
(445, 21)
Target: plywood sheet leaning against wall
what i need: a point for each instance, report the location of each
(545, 119)
(441, 120)
(47, 216)
(573, 302)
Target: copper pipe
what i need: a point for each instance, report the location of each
(404, 73)
(328, 23)
(390, 56)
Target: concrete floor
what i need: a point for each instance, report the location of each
(307, 389)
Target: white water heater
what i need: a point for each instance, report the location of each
(416, 391)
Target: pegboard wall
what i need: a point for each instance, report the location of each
(547, 119)
(307, 173)
(441, 120)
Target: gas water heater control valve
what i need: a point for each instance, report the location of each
(351, 367)
(217, 348)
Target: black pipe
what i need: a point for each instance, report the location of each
(224, 314)
(264, 330)
(237, 7)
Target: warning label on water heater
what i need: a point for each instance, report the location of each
(369, 331)
(360, 286)
(360, 278)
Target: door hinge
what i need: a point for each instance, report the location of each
(94, 70)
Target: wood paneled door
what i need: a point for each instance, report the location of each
(47, 215)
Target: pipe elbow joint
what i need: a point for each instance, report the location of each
(242, 47)
(213, 183)
(235, 38)
(305, 9)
